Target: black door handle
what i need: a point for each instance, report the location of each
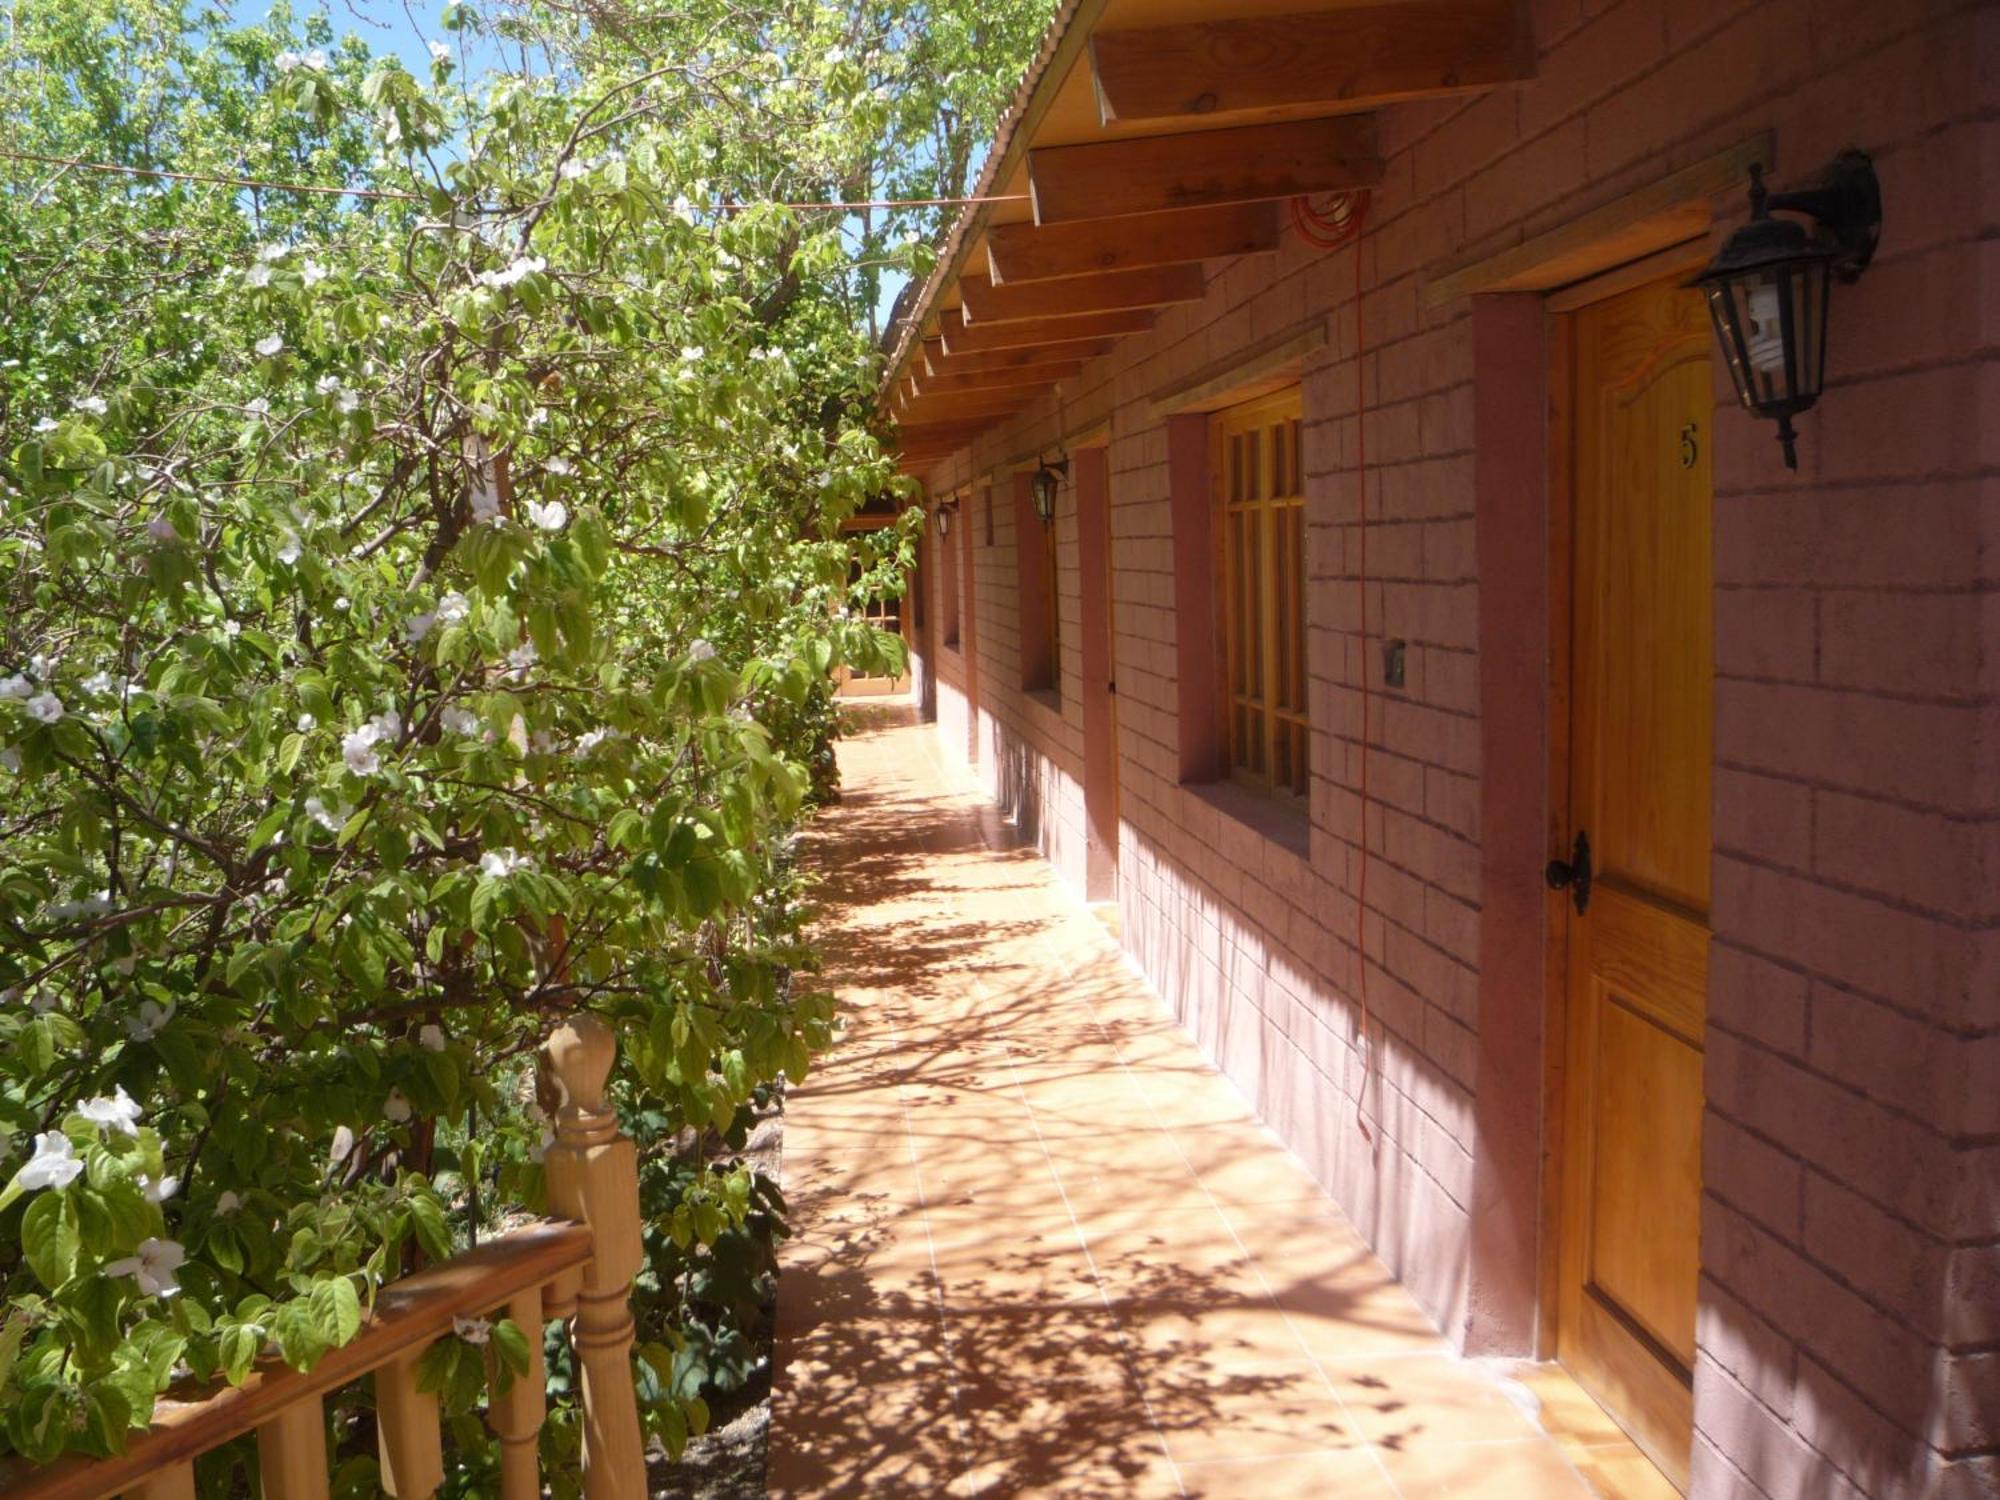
(1573, 874)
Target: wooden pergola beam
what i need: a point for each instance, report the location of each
(937, 362)
(969, 406)
(1353, 56)
(1151, 174)
(1115, 291)
(959, 338)
(1019, 377)
(1030, 252)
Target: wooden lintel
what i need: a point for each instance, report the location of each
(1653, 218)
(1195, 169)
(966, 407)
(1243, 374)
(958, 338)
(1351, 57)
(1030, 252)
(937, 362)
(1114, 291)
(1045, 373)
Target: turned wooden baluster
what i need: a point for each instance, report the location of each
(291, 1453)
(176, 1483)
(516, 1414)
(406, 1421)
(593, 1176)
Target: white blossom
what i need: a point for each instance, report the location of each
(348, 402)
(700, 651)
(146, 1025)
(258, 408)
(306, 723)
(270, 346)
(257, 276)
(522, 656)
(326, 385)
(120, 1112)
(312, 273)
(396, 1107)
(45, 707)
(560, 465)
(290, 549)
(316, 58)
(98, 684)
(95, 405)
(55, 1163)
(550, 517)
(519, 269)
(418, 626)
(500, 863)
(460, 721)
(358, 751)
(227, 1202)
(440, 52)
(453, 607)
(288, 61)
(153, 1267)
(231, 629)
(574, 168)
(472, 1330)
(317, 811)
(431, 1037)
(585, 743)
(160, 1189)
(47, 424)
(16, 686)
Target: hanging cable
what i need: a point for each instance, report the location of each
(333, 191)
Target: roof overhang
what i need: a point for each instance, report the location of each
(1148, 138)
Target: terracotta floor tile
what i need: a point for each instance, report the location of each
(1253, 1411)
(1423, 1400)
(1484, 1471)
(1349, 1475)
(888, 1439)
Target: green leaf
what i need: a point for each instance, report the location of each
(49, 1238)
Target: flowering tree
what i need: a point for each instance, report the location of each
(418, 610)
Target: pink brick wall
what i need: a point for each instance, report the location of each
(1850, 1301)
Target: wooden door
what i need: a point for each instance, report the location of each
(1641, 664)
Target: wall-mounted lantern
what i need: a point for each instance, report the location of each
(944, 520)
(1768, 288)
(1047, 481)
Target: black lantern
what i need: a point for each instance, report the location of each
(1768, 288)
(944, 520)
(1048, 479)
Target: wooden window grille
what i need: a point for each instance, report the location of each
(1260, 486)
(948, 596)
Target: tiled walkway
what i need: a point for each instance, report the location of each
(1044, 1248)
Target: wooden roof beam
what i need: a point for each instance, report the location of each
(1354, 56)
(1115, 291)
(957, 337)
(1045, 373)
(969, 406)
(1029, 252)
(937, 362)
(1151, 174)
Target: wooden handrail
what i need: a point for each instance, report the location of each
(580, 1271)
(409, 1314)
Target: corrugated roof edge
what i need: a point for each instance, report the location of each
(999, 160)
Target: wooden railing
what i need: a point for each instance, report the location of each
(580, 1271)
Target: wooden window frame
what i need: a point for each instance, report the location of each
(1052, 608)
(1258, 486)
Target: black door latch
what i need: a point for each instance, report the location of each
(1573, 874)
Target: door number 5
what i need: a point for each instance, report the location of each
(1690, 449)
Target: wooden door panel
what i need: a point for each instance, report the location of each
(1641, 743)
(1647, 1126)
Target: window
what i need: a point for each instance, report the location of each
(948, 549)
(1036, 570)
(1260, 492)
